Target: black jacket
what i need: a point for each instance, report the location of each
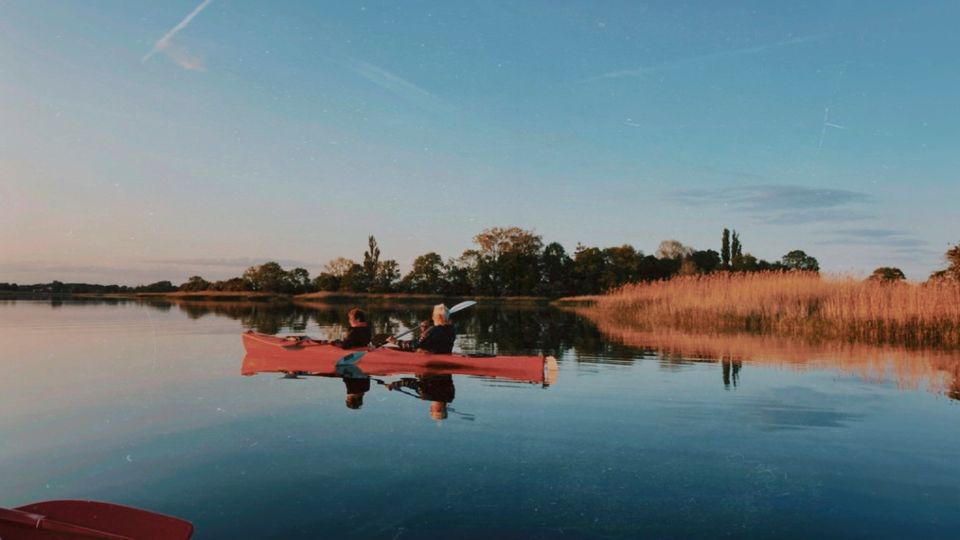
(357, 336)
(438, 339)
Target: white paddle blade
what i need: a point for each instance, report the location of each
(462, 306)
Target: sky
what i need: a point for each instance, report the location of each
(142, 141)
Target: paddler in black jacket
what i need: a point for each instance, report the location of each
(358, 335)
(439, 338)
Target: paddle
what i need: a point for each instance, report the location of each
(90, 519)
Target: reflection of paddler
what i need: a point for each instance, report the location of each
(437, 389)
(356, 388)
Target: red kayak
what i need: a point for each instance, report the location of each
(267, 353)
(89, 520)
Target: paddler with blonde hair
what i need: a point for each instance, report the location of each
(439, 338)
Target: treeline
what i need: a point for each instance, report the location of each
(508, 262)
(504, 262)
(57, 287)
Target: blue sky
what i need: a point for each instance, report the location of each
(155, 140)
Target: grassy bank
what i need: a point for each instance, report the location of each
(792, 304)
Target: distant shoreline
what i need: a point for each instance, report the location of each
(255, 296)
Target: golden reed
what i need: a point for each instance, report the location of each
(794, 304)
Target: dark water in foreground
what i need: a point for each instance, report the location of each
(145, 405)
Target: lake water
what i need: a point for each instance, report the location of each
(145, 405)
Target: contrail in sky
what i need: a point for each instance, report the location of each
(164, 42)
(680, 62)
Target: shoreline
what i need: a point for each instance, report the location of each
(255, 296)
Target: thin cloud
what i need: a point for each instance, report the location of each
(716, 55)
(399, 86)
(781, 204)
(229, 262)
(887, 238)
(178, 54)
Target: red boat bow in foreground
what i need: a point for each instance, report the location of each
(89, 520)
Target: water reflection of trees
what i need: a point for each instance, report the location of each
(525, 329)
(531, 329)
(939, 370)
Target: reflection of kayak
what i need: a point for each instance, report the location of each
(275, 354)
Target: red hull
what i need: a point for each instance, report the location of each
(273, 354)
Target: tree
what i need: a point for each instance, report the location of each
(299, 278)
(736, 250)
(268, 277)
(952, 271)
(621, 265)
(887, 274)
(232, 284)
(386, 276)
(555, 267)
(355, 280)
(426, 275)
(725, 248)
(507, 260)
(705, 261)
(673, 249)
(339, 267)
(588, 268)
(326, 282)
(371, 260)
(457, 278)
(195, 283)
(798, 260)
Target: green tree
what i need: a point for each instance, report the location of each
(555, 267)
(507, 260)
(621, 265)
(706, 261)
(426, 275)
(952, 271)
(371, 260)
(887, 274)
(268, 277)
(457, 278)
(725, 248)
(736, 250)
(299, 278)
(588, 269)
(386, 276)
(355, 279)
(798, 260)
(195, 283)
(326, 281)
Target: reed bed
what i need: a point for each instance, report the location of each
(794, 304)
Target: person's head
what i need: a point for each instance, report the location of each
(425, 325)
(438, 410)
(441, 315)
(354, 401)
(357, 317)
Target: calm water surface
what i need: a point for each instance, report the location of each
(145, 405)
